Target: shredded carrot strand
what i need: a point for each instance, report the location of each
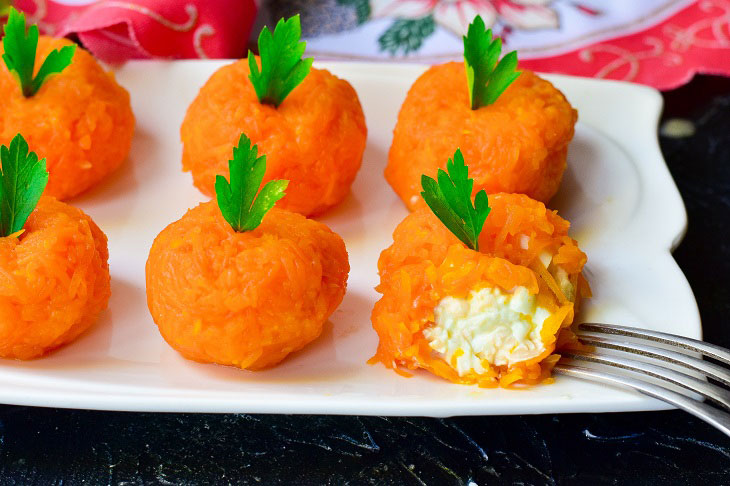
(542, 272)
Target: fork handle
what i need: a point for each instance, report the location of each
(717, 418)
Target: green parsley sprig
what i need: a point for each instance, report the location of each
(22, 180)
(282, 66)
(486, 78)
(20, 51)
(237, 200)
(450, 201)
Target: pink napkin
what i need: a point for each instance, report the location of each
(115, 31)
(666, 55)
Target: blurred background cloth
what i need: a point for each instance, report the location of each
(662, 43)
(116, 31)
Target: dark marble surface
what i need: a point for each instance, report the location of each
(54, 446)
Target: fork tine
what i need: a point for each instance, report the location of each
(708, 390)
(716, 418)
(713, 351)
(710, 369)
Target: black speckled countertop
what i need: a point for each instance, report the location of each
(54, 446)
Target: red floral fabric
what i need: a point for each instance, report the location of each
(667, 55)
(664, 53)
(115, 31)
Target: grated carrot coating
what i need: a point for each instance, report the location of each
(54, 280)
(519, 229)
(244, 299)
(80, 120)
(315, 138)
(516, 145)
(427, 263)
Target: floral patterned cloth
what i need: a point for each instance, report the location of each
(661, 43)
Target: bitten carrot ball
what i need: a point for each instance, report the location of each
(315, 137)
(244, 299)
(517, 144)
(491, 317)
(477, 292)
(80, 118)
(54, 280)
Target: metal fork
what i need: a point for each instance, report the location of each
(650, 374)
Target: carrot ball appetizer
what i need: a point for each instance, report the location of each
(476, 299)
(71, 110)
(514, 127)
(240, 283)
(54, 276)
(313, 133)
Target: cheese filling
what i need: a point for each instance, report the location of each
(491, 325)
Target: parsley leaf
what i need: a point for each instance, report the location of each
(236, 199)
(282, 66)
(486, 78)
(450, 201)
(22, 180)
(20, 50)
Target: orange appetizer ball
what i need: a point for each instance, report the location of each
(518, 144)
(80, 118)
(491, 317)
(249, 296)
(244, 299)
(54, 280)
(314, 138)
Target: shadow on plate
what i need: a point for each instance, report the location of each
(329, 358)
(571, 193)
(91, 349)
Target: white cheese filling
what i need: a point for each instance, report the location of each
(499, 327)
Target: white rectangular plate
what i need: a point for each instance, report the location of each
(625, 209)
